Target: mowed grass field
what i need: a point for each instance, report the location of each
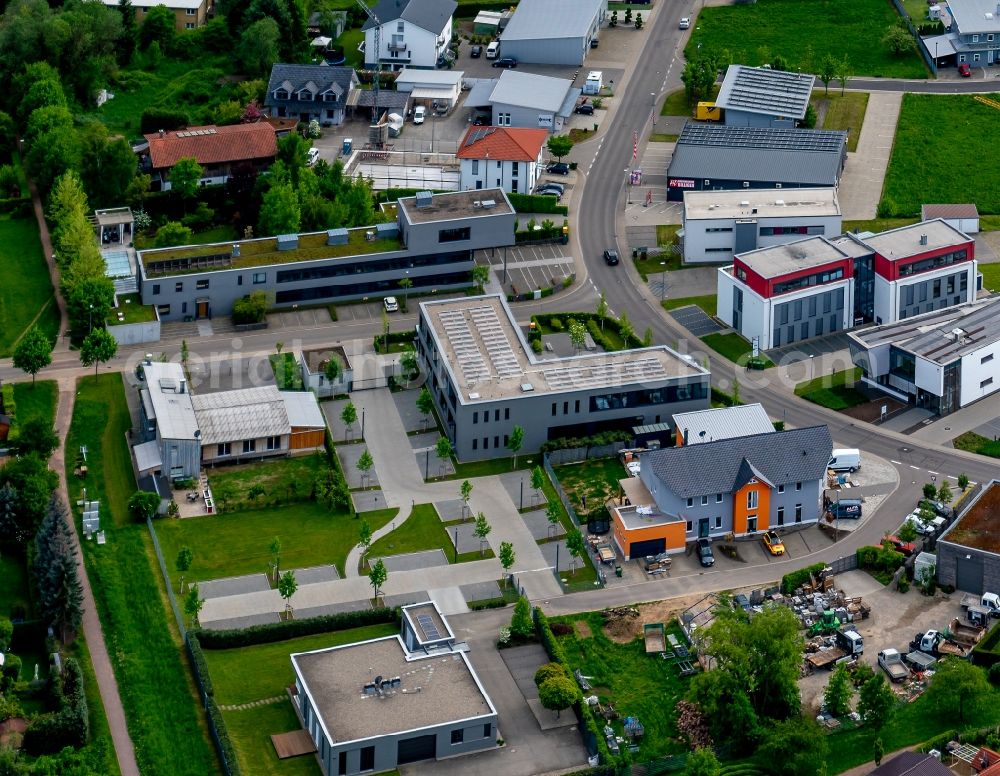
(803, 32)
(26, 292)
(945, 151)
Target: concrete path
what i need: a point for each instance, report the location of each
(106, 682)
(969, 418)
(864, 174)
(62, 340)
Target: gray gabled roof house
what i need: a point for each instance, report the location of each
(552, 32)
(307, 92)
(761, 97)
(413, 33)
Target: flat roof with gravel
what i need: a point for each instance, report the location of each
(761, 203)
(432, 690)
(978, 528)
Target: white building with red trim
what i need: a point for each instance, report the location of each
(788, 293)
(502, 157)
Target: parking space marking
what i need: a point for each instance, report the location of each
(898, 463)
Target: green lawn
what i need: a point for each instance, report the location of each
(803, 32)
(877, 224)
(250, 731)
(912, 724)
(706, 303)
(471, 469)
(597, 479)
(734, 347)
(26, 295)
(676, 103)
(834, 391)
(977, 443)
(284, 480)
(423, 530)
(161, 707)
(638, 684)
(350, 40)
(134, 310)
(585, 575)
(991, 276)
(943, 132)
(843, 111)
(14, 598)
(660, 137)
(238, 543)
(286, 371)
(216, 234)
(36, 400)
(247, 674)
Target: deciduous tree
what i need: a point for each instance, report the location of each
(558, 693)
(378, 576)
(193, 602)
(258, 46)
(425, 403)
(559, 146)
(98, 347)
(576, 545)
(37, 436)
(827, 72)
(444, 451)
(482, 530)
(185, 176)
(481, 276)
(365, 464)
(839, 690)
(348, 416)
(702, 762)
(465, 490)
(507, 558)
(795, 747)
(287, 585)
(876, 702)
(143, 504)
(515, 442)
(958, 687)
(33, 353)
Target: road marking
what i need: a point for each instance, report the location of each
(915, 468)
(898, 463)
(930, 472)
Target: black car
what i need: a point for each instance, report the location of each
(585, 110)
(481, 121)
(476, 51)
(610, 257)
(507, 62)
(705, 556)
(546, 191)
(559, 168)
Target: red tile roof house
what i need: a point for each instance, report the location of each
(502, 157)
(221, 151)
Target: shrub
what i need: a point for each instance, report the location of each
(291, 629)
(548, 671)
(250, 309)
(155, 119)
(556, 324)
(70, 725)
(795, 579)
(536, 345)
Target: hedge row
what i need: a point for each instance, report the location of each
(200, 665)
(225, 743)
(10, 409)
(593, 323)
(596, 440)
(536, 203)
(70, 726)
(795, 579)
(17, 207)
(291, 629)
(583, 711)
(987, 652)
(723, 398)
(394, 338)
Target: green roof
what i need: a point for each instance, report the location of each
(260, 252)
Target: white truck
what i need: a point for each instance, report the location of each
(847, 645)
(990, 601)
(934, 643)
(892, 663)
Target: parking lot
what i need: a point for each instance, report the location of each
(695, 320)
(529, 267)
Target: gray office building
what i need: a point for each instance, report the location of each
(431, 242)
(552, 32)
(376, 705)
(485, 380)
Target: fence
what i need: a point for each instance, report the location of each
(847, 563)
(559, 490)
(576, 454)
(930, 61)
(208, 703)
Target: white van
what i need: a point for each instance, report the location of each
(493, 50)
(848, 460)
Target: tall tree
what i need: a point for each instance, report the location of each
(515, 442)
(521, 623)
(465, 490)
(560, 145)
(258, 47)
(143, 505)
(507, 558)
(279, 210)
(185, 177)
(33, 353)
(837, 696)
(60, 595)
(377, 576)
(107, 165)
(876, 702)
(98, 347)
(958, 687)
(482, 530)
(32, 482)
(158, 27)
(37, 436)
(795, 747)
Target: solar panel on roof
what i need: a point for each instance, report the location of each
(427, 625)
(762, 137)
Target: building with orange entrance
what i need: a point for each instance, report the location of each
(738, 486)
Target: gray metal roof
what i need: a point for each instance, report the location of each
(249, 413)
(527, 90)
(170, 400)
(546, 19)
(769, 92)
(781, 457)
(805, 156)
(975, 15)
(941, 336)
(302, 409)
(478, 95)
(723, 423)
(430, 15)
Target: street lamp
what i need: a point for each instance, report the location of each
(628, 191)
(90, 318)
(652, 100)
(663, 280)
(812, 371)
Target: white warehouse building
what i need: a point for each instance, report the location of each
(941, 360)
(719, 224)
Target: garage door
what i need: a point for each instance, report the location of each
(649, 547)
(410, 750)
(969, 574)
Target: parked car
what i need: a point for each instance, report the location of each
(685, 23)
(558, 168)
(610, 257)
(507, 62)
(552, 186)
(481, 121)
(547, 192)
(391, 305)
(593, 42)
(419, 114)
(476, 51)
(493, 50)
(939, 508)
(928, 528)
(312, 156)
(964, 70)
(585, 110)
(705, 556)
(773, 543)
(907, 548)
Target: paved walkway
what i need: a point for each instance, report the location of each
(62, 341)
(106, 682)
(864, 174)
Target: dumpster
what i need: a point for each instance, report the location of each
(618, 571)
(348, 144)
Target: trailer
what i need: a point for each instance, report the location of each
(892, 663)
(847, 645)
(652, 634)
(990, 601)
(920, 661)
(966, 635)
(935, 643)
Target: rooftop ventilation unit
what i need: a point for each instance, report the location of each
(489, 203)
(337, 236)
(288, 242)
(424, 198)
(527, 387)
(745, 203)
(779, 202)
(923, 239)
(473, 395)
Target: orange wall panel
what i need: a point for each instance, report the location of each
(762, 512)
